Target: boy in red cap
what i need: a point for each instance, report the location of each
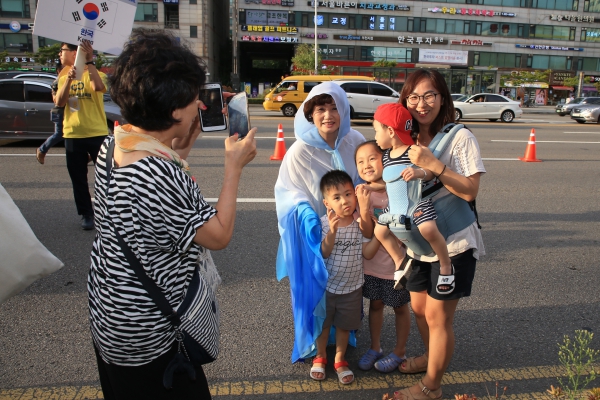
(393, 128)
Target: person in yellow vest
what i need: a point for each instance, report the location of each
(84, 125)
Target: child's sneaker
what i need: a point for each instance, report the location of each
(368, 359)
(388, 363)
(401, 276)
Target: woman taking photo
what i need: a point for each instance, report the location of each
(151, 200)
(459, 169)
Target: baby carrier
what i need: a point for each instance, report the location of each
(453, 213)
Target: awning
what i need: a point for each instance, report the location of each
(569, 88)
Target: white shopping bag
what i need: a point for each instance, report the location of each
(23, 258)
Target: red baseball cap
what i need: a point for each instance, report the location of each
(398, 117)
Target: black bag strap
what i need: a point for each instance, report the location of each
(151, 287)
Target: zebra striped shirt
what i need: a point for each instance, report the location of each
(424, 210)
(157, 208)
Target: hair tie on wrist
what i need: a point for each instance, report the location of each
(441, 173)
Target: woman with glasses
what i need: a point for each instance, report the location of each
(459, 169)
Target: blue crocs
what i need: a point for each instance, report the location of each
(368, 359)
(388, 363)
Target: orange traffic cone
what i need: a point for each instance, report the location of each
(530, 149)
(279, 145)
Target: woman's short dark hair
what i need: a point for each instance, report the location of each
(318, 100)
(154, 76)
(446, 114)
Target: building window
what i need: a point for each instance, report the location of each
(591, 6)
(556, 4)
(551, 32)
(146, 12)
(589, 64)
(193, 31)
(45, 42)
(193, 2)
(304, 21)
(16, 42)
(14, 8)
(591, 35)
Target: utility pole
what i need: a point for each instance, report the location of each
(580, 86)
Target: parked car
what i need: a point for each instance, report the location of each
(462, 97)
(26, 74)
(565, 109)
(25, 109)
(489, 106)
(456, 96)
(289, 94)
(39, 75)
(365, 97)
(586, 113)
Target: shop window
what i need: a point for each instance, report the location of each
(14, 8)
(146, 12)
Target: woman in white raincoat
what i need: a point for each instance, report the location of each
(320, 147)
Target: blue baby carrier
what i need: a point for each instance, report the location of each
(453, 213)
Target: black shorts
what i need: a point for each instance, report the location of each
(383, 289)
(425, 275)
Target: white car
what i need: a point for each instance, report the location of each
(364, 97)
(488, 106)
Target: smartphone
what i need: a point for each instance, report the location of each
(212, 119)
(239, 119)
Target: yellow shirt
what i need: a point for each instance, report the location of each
(89, 119)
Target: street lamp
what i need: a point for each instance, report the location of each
(316, 63)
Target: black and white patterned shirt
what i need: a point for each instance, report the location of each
(157, 208)
(345, 263)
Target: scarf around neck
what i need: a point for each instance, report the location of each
(127, 140)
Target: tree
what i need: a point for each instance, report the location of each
(304, 61)
(47, 56)
(385, 64)
(525, 78)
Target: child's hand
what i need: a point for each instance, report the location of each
(333, 219)
(363, 194)
(410, 174)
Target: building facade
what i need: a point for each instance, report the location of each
(476, 44)
(202, 24)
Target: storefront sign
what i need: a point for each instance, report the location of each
(543, 47)
(15, 26)
(312, 35)
(456, 57)
(20, 59)
(470, 11)
(270, 39)
(171, 1)
(574, 18)
(332, 51)
(290, 30)
(558, 77)
(360, 5)
(353, 37)
(287, 3)
(22, 26)
(470, 42)
(419, 40)
(593, 78)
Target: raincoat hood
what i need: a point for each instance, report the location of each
(307, 132)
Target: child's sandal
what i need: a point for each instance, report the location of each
(318, 370)
(445, 283)
(342, 374)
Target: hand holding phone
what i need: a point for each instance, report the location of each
(239, 119)
(212, 118)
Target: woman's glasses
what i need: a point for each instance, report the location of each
(428, 98)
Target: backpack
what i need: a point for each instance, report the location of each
(453, 213)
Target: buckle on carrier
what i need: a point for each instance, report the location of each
(395, 219)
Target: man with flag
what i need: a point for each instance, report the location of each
(84, 126)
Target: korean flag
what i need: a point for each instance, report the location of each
(98, 15)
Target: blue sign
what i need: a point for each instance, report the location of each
(319, 20)
(544, 47)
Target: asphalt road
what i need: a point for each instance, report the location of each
(538, 282)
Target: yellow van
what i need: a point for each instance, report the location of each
(289, 94)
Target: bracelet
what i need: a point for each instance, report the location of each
(424, 173)
(90, 63)
(441, 173)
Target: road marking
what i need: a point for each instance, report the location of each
(261, 388)
(29, 155)
(544, 141)
(500, 159)
(595, 133)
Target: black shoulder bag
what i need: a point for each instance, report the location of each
(195, 321)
